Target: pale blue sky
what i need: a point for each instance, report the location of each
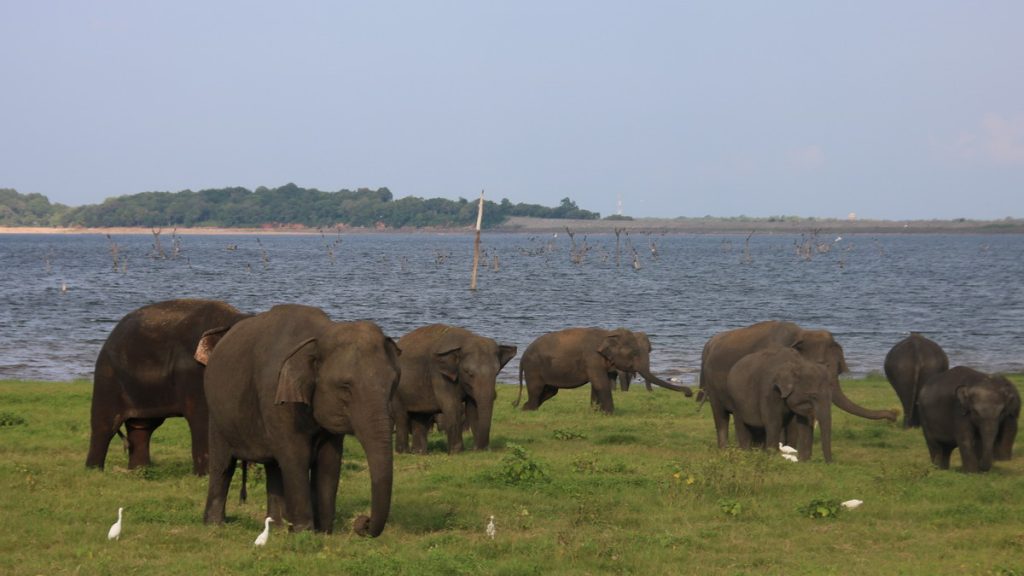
(889, 109)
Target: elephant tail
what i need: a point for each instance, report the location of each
(520, 396)
(911, 418)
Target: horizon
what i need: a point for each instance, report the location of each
(911, 111)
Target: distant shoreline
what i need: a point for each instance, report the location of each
(525, 225)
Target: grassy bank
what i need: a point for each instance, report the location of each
(640, 492)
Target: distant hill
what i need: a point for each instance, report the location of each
(285, 206)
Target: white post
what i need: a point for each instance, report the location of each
(476, 242)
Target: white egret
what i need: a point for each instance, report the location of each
(115, 529)
(786, 449)
(491, 530)
(262, 538)
(790, 457)
(851, 504)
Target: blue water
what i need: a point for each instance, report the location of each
(964, 291)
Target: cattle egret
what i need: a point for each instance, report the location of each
(790, 457)
(851, 504)
(262, 538)
(491, 530)
(786, 449)
(115, 529)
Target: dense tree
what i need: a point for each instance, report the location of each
(285, 205)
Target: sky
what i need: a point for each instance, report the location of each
(890, 110)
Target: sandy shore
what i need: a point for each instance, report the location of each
(653, 225)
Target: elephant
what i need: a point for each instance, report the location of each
(284, 388)
(908, 365)
(768, 389)
(448, 372)
(572, 357)
(723, 350)
(970, 410)
(146, 372)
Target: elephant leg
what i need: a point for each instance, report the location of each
(1004, 440)
(275, 492)
(221, 468)
(721, 418)
(601, 386)
(324, 477)
(772, 434)
(744, 435)
(99, 442)
(537, 391)
(295, 469)
(800, 435)
(453, 412)
(199, 425)
(969, 456)
(939, 453)
(139, 433)
(402, 421)
(420, 424)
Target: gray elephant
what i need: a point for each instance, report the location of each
(572, 357)
(146, 373)
(723, 350)
(284, 388)
(448, 375)
(770, 388)
(910, 363)
(970, 410)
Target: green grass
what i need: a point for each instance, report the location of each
(572, 491)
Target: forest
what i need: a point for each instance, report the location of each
(287, 205)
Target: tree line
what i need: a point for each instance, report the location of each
(286, 205)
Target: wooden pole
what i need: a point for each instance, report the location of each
(476, 242)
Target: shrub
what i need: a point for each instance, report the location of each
(517, 467)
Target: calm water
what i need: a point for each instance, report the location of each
(964, 291)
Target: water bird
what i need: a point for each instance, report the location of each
(491, 530)
(115, 529)
(786, 449)
(63, 288)
(790, 457)
(851, 504)
(262, 538)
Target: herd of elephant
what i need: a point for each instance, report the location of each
(284, 387)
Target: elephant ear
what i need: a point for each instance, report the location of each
(297, 378)
(963, 396)
(644, 341)
(608, 346)
(207, 342)
(448, 363)
(505, 354)
(836, 349)
(784, 386)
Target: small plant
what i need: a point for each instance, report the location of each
(730, 507)
(8, 419)
(821, 508)
(585, 465)
(518, 467)
(564, 434)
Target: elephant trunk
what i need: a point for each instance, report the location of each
(987, 436)
(823, 412)
(652, 379)
(374, 433)
(482, 423)
(839, 399)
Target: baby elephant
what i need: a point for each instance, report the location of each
(970, 410)
(765, 390)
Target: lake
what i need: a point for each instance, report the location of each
(962, 290)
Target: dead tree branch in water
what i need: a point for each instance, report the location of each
(747, 258)
(158, 249)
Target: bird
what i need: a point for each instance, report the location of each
(790, 457)
(63, 287)
(851, 504)
(491, 530)
(115, 529)
(262, 538)
(786, 449)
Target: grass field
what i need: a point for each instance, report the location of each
(572, 491)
